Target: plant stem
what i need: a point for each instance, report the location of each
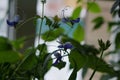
(19, 26)
(96, 65)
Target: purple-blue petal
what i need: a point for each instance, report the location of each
(61, 46)
(56, 62)
(68, 45)
(57, 55)
(12, 23)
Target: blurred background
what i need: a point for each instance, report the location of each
(29, 8)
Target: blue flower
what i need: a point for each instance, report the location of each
(58, 56)
(72, 21)
(66, 46)
(14, 22)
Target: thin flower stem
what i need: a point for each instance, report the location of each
(96, 65)
(19, 26)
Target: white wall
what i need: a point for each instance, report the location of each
(3, 16)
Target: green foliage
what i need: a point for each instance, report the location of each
(99, 21)
(42, 48)
(94, 7)
(5, 44)
(76, 59)
(117, 41)
(76, 12)
(60, 65)
(102, 66)
(52, 34)
(48, 21)
(19, 43)
(73, 75)
(116, 3)
(112, 24)
(79, 34)
(104, 46)
(29, 61)
(9, 56)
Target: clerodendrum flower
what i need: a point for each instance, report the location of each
(66, 46)
(14, 22)
(77, 20)
(59, 58)
(67, 19)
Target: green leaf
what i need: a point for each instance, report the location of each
(48, 21)
(93, 7)
(19, 43)
(5, 44)
(102, 66)
(76, 59)
(30, 60)
(113, 24)
(73, 75)
(79, 34)
(46, 62)
(9, 56)
(116, 3)
(117, 41)
(99, 21)
(52, 34)
(42, 48)
(74, 72)
(56, 19)
(60, 65)
(76, 12)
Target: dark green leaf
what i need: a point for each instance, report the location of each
(60, 65)
(30, 60)
(73, 75)
(114, 6)
(76, 12)
(112, 24)
(35, 19)
(55, 25)
(94, 7)
(98, 22)
(19, 43)
(102, 66)
(44, 65)
(79, 59)
(42, 48)
(117, 41)
(5, 44)
(48, 21)
(79, 34)
(52, 34)
(56, 19)
(9, 56)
